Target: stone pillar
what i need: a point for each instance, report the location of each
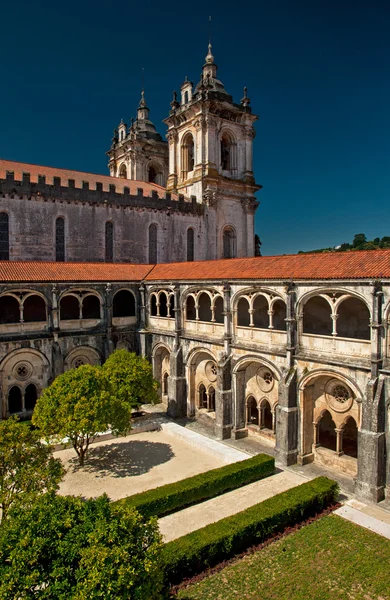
(291, 325)
(287, 419)
(172, 177)
(371, 476)
(239, 416)
(57, 360)
(107, 321)
(223, 399)
(142, 321)
(339, 441)
(377, 330)
(177, 384)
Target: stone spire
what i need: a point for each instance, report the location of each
(209, 56)
(143, 110)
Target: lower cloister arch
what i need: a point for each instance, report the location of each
(82, 355)
(201, 381)
(161, 358)
(330, 416)
(255, 393)
(23, 375)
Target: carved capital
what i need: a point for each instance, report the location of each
(210, 198)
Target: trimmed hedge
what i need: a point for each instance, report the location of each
(206, 547)
(175, 496)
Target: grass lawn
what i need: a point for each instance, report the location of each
(330, 559)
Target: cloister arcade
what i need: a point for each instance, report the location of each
(201, 382)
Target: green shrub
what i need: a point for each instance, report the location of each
(174, 496)
(195, 552)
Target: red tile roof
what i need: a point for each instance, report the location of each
(19, 168)
(368, 264)
(71, 271)
(331, 265)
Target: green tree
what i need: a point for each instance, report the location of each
(131, 377)
(65, 548)
(359, 239)
(27, 466)
(367, 246)
(78, 405)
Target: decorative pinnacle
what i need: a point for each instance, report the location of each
(174, 103)
(142, 103)
(245, 101)
(209, 57)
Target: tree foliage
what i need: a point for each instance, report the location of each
(78, 405)
(131, 377)
(27, 466)
(64, 548)
(359, 242)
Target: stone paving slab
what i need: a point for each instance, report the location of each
(192, 518)
(364, 520)
(371, 510)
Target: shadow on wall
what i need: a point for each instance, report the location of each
(127, 459)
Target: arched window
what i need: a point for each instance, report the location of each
(228, 148)
(69, 308)
(30, 397)
(190, 244)
(252, 412)
(266, 414)
(353, 319)
(123, 304)
(163, 305)
(123, 169)
(152, 243)
(172, 306)
(91, 307)
(9, 310)
(317, 316)
(109, 249)
(4, 236)
(204, 303)
(187, 154)
(350, 438)
(279, 316)
(218, 310)
(60, 239)
(229, 243)
(34, 309)
(153, 306)
(152, 174)
(260, 312)
(190, 309)
(15, 403)
(185, 97)
(243, 313)
(326, 431)
(202, 396)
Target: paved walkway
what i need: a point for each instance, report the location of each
(200, 515)
(360, 517)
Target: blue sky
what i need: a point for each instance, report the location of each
(317, 73)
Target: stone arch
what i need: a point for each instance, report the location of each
(217, 309)
(9, 309)
(350, 437)
(204, 306)
(153, 305)
(122, 173)
(229, 242)
(252, 411)
(161, 356)
(260, 306)
(259, 379)
(243, 317)
(317, 316)
(69, 307)
(123, 303)
(91, 306)
(187, 154)
(155, 173)
(82, 355)
(327, 400)
(30, 397)
(21, 368)
(34, 308)
(353, 319)
(15, 400)
(279, 310)
(190, 305)
(228, 151)
(201, 370)
(163, 303)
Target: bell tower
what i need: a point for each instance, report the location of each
(210, 156)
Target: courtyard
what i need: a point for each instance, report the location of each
(124, 466)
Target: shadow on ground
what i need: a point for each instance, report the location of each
(127, 459)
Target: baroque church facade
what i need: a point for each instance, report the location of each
(159, 258)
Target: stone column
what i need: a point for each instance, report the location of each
(339, 441)
(287, 419)
(172, 177)
(107, 320)
(142, 331)
(291, 325)
(177, 384)
(239, 417)
(57, 360)
(371, 476)
(223, 399)
(377, 329)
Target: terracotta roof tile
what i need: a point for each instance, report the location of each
(79, 177)
(333, 265)
(369, 264)
(71, 271)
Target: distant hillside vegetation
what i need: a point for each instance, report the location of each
(360, 242)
